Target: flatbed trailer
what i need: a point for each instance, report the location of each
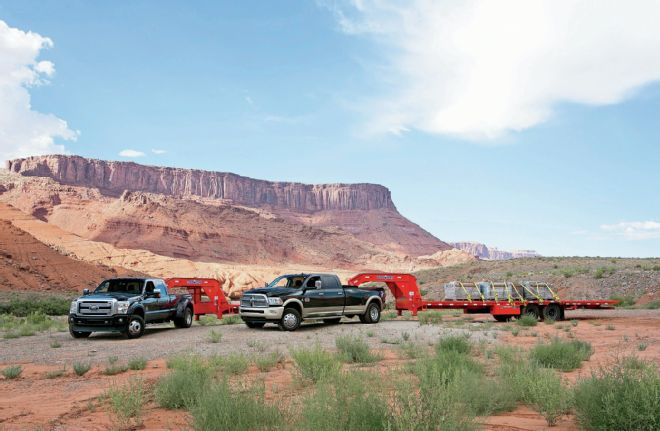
(409, 298)
(207, 296)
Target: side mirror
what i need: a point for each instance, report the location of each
(85, 291)
(318, 284)
(156, 294)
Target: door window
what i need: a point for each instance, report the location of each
(311, 282)
(160, 287)
(329, 282)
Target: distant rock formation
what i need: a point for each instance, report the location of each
(116, 177)
(484, 252)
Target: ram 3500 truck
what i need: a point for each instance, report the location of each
(290, 299)
(125, 305)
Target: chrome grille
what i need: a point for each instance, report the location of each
(95, 308)
(254, 300)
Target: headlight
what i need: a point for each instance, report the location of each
(73, 308)
(274, 301)
(122, 307)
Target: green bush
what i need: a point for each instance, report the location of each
(234, 363)
(137, 363)
(354, 349)
(314, 363)
(21, 307)
(12, 372)
(183, 386)
(527, 320)
(388, 315)
(455, 343)
(113, 368)
(653, 305)
(619, 398)
(624, 301)
(430, 317)
(81, 368)
(220, 408)
(231, 319)
(53, 374)
(562, 355)
(55, 344)
(127, 402)
(215, 337)
(412, 350)
(350, 401)
(268, 361)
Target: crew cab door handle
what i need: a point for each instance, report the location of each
(321, 294)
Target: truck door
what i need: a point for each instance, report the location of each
(323, 302)
(165, 302)
(150, 303)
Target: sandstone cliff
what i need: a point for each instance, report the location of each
(116, 177)
(484, 252)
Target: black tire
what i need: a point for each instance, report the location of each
(186, 320)
(135, 326)
(332, 321)
(363, 318)
(79, 334)
(532, 310)
(372, 314)
(290, 320)
(255, 325)
(552, 312)
(502, 318)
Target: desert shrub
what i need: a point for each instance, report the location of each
(214, 337)
(515, 331)
(221, 408)
(184, 361)
(53, 374)
(55, 344)
(642, 346)
(234, 363)
(562, 355)
(455, 343)
(574, 323)
(127, 402)
(619, 398)
(314, 363)
(268, 361)
(137, 363)
(624, 301)
(412, 350)
(431, 317)
(50, 306)
(208, 320)
(81, 368)
(183, 386)
(527, 320)
(354, 349)
(388, 315)
(113, 368)
(652, 305)
(230, 319)
(12, 372)
(355, 395)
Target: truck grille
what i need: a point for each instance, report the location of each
(95, 308)
(254, 300)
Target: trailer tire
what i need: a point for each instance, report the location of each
(552, 312)
(184, 321)
(531, 310)
(255, 325)
(372, 314)
(290, 320)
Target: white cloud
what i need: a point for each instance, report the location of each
(131, 153)
(478, 69)
(24, 131)
(158, 151)
(635, 230)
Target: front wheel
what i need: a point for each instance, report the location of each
(290, 320)
(79, 334)
(184, 321)
(135, 327)
(372, 315)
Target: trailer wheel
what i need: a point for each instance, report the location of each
(186, 320)
(532, 310)
(552, 312)
(255, 325)
(372, 315)
(290, 320)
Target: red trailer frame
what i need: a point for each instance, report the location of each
(207, 296)
(408, 297)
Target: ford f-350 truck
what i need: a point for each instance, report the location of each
(126, 305)
(290, 299)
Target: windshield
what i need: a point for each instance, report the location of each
(288, 281)
(131, 287)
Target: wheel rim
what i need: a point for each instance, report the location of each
(373, 313)
(134, 327)
(188, 317)
(290, 321)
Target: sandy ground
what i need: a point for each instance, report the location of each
(75, 403)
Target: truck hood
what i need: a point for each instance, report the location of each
(272, 291)
(107, 296)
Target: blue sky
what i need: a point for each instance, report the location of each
(542, 147)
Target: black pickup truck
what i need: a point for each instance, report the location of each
(290, 299)
(125, 305)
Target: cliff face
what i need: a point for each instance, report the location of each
(484, 252)
(116, 177)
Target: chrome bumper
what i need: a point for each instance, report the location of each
(266, 313)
